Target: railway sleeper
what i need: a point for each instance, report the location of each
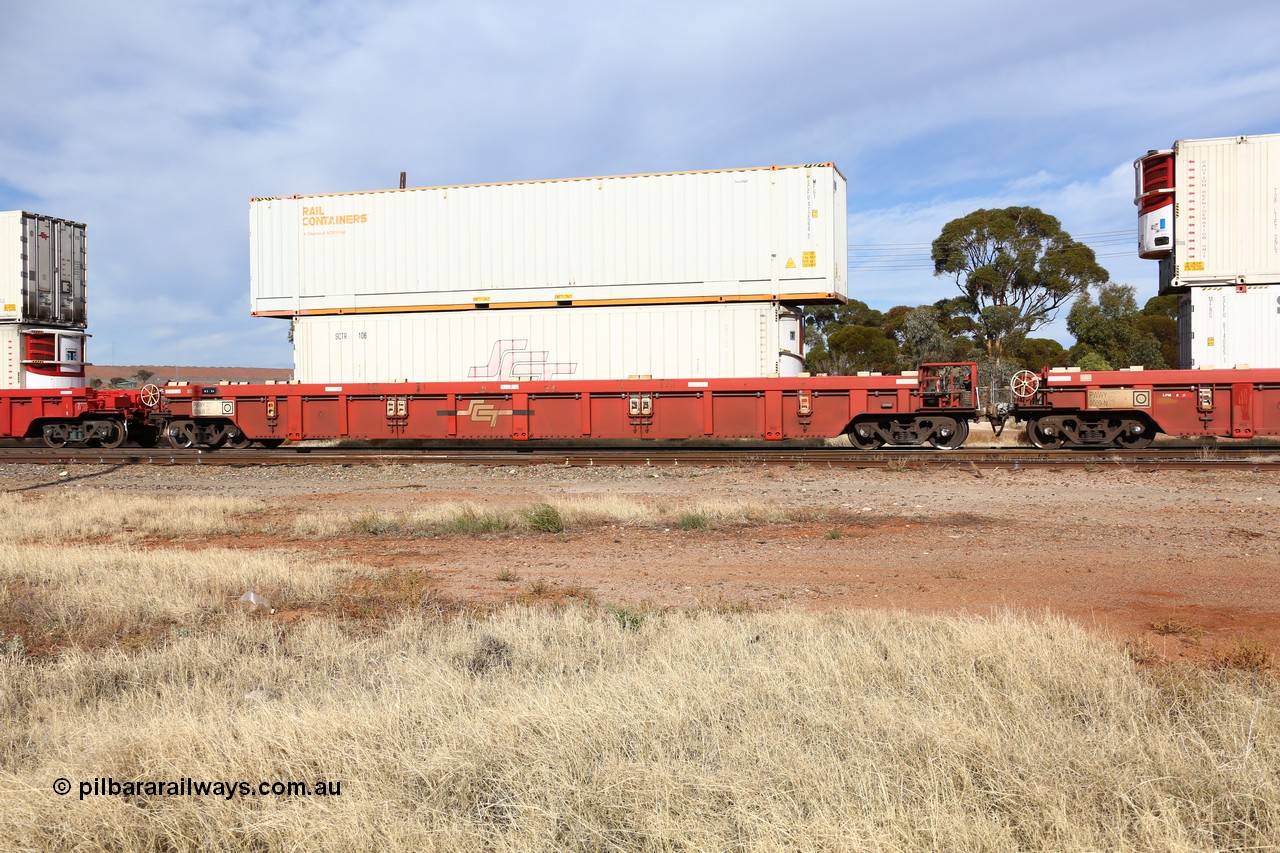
(1131, 430)
(941, 431)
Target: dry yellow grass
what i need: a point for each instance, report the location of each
(588, 728)
(538, 730)
(64, 516)
(87, 593)
(462, 517)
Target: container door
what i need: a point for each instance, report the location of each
(53, 272)
(71, 279)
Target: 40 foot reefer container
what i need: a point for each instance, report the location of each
(42, 274)
(1209, 211)
(547, 344)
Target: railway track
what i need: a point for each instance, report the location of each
(1165, 457)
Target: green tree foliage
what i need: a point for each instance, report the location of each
(1159, 318)
(1162, 306)
(1037, 353)
(824, 319)
(849, 338)
(1110, 333)
(1015, 268)
(935, 333)
(1086, 358)
(894, 319)
(850, 349)
(923, 337)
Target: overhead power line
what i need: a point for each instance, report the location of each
(917, 257)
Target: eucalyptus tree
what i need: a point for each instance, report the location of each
(1014, 267)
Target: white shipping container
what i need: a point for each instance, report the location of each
(41, 357)
(1229, 327)
(744, 235)
(42, 272)
(661, 342)
(1210, 210)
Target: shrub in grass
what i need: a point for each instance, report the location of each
(372, 524)
(472, 522)
(694, 520)
(628, 618)
(544, 518)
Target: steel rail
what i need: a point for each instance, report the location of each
(1017, 458)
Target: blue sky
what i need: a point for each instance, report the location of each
(155, 122)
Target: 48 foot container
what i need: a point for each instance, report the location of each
(741, 235)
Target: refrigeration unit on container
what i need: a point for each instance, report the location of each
(42, 274)
(1229, 327)
(1209, 211)
(40, 357)
(659, 342)
(740, 235)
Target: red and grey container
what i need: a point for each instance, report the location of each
(42, 270)
(1209, 211)
(41, 356)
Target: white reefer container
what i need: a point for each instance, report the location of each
(661, 341)
(1229, 327)
(42, 273)
(1209, 210)
(742, 235)
(41, 357)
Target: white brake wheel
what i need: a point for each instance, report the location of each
(1024, 384)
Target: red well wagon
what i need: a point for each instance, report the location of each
(933, 405)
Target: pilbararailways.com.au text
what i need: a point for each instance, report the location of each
(188, 787)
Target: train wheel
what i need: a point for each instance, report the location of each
(56, 436)
(238, 441)
(865, 437)
(182, 434)
(956, 438)
(1043, 439)
(116, 434)
(270, 443)
(1130, 440)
